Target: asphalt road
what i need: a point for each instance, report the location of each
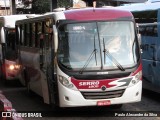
(24, 102)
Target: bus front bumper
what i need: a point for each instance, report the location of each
(72, 98)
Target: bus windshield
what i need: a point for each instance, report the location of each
(100, 45)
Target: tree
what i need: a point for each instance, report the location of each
(40, 6)
(65, 3)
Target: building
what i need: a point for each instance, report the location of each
(120, 2)
(11, 6)
(117, 2)
(5, 7)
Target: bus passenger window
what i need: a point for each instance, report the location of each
(38, 34)
(41, 41)
(155, 31)
(26, 35)
(142, 30)
(33, 35)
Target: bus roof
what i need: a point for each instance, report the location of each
(141, 6)
(96, 14)
(9, 20)
(84, 14)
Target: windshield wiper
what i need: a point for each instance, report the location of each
(90, 57)
(106, 52)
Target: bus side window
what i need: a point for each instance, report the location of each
(27, 35)
(48, 32)
(24, 34)
(155, 31)
(21, 32)
(41, 44)
(32, 35)
(36, 35)
(41, 40)
(149, 30)
(142, 30)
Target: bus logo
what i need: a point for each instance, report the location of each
(103, 88)
(95, 83)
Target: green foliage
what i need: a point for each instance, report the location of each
(64, 3)
(40, 6)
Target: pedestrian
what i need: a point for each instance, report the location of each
(90, 3)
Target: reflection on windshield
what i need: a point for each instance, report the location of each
(118, 40)
(106, 52)
(78, 41)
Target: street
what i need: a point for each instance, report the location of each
(24, 102)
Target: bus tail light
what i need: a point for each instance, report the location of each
(64, 81)
(13, 67)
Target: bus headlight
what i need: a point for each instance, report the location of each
(64, 81)
(136, 78)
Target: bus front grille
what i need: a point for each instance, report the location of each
(103, 94)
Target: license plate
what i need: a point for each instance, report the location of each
(103, 103)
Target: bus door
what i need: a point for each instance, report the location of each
(46, 45)
(46, 58)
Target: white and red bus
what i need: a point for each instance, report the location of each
(81, 57)
(9, 67)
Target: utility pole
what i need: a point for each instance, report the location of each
(54, 4)
(13, 7)
(51, 2)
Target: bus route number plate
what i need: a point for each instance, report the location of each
(103, 103)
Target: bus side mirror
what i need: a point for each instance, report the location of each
(55, 38)
(138, 34)
(139, 38)
(2, 35)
